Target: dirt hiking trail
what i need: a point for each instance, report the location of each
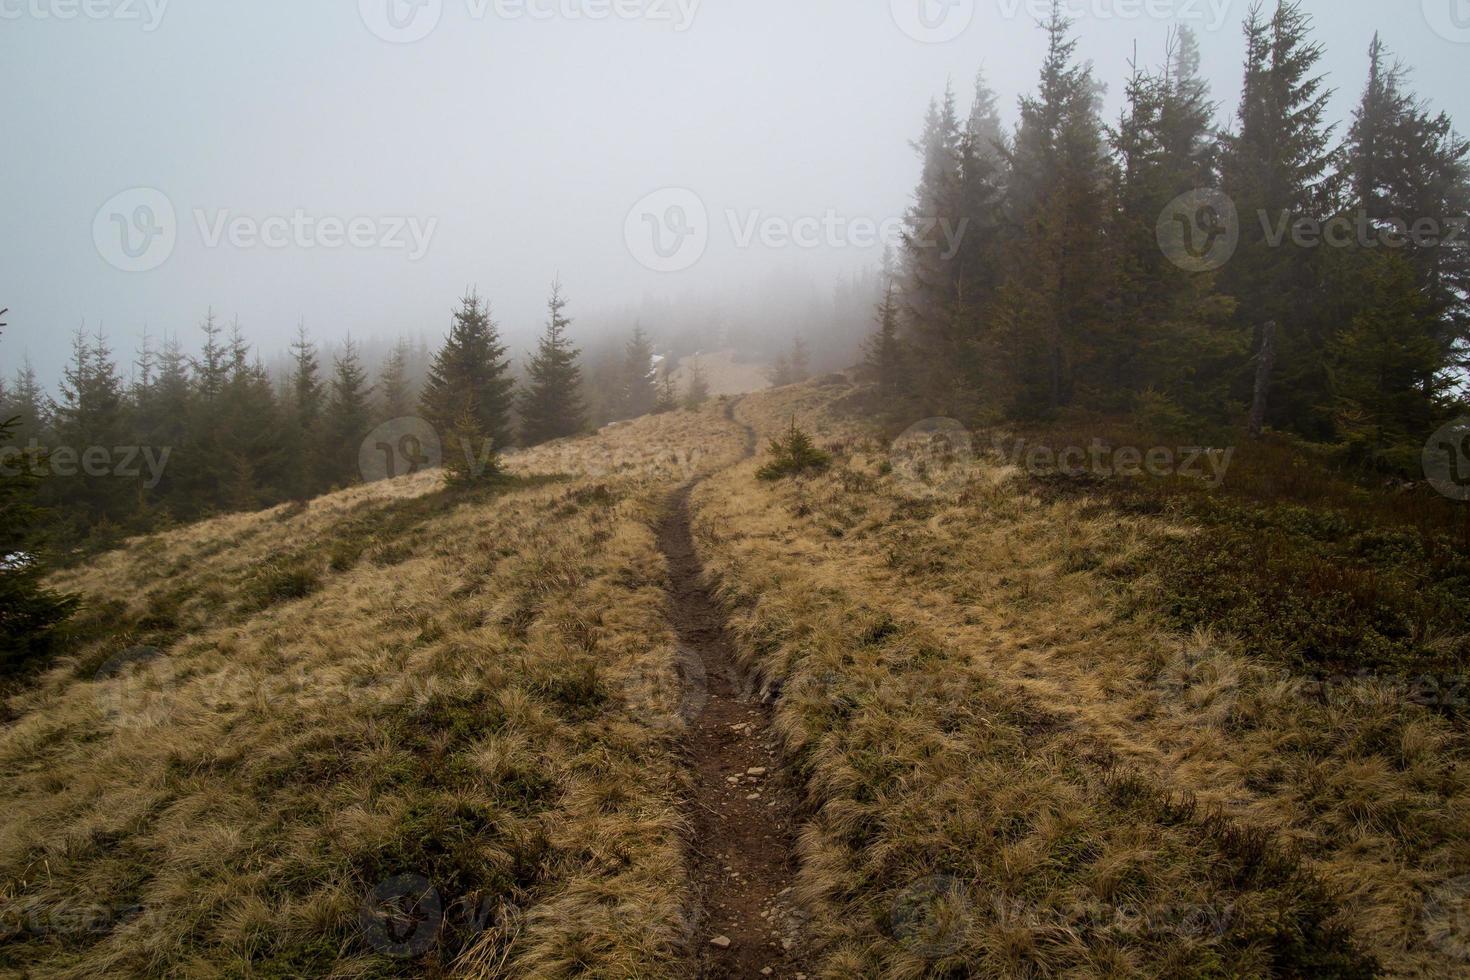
(742, 812)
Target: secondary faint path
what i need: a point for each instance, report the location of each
(742, 813)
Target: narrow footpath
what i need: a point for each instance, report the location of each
(744, 831)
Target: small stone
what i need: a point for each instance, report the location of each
(721, 941)
(753, 796)
(756, 771)
(765, 971)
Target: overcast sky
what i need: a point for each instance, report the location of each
(500, 143)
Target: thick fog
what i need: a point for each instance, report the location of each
(356, 165)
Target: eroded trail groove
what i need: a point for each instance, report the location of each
(742, 814)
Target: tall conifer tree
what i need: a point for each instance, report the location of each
(551, 405)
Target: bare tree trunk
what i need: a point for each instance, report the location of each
(1265, 365)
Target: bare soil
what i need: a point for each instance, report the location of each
(742, 812)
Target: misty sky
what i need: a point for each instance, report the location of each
(522, 142)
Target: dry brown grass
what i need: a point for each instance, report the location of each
(1012, 767)
(391, 681)
(726, 373)
(978, 686)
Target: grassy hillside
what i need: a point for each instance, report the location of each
(986, 688)
(385, 691)
(1033, 725)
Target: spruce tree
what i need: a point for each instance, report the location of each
(467, 397)
(144, 366)
(29, 407)
(931, 274)
(1405, 163)
(208, 472)
(1174, 333)
(161, 422)
(667, 398)
(212, 366)
(551, 405)
(696, 385)
(29, 612)
(393, 383)
(1057, 287)
(1386, 367)
(801, 368)
(780, 374)
(348, 416)
(958, 347)
(90, 424)
(636, 385)
(884, 354)
(307, 389)
(259, 467)
(303, 436)
(1276, 170)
